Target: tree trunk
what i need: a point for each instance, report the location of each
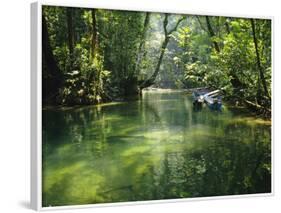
(212, 34)
(227, 26)
(236, 83)
(151, 80)
(141, 51)
(157, 69)
(70, 31)
(262, 78)
(94, 35)
(53, 78)
(200, 23)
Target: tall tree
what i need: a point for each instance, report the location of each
(141, 51)
(227, 27)
(53, 78)
(70, 35)
(235, 81)
(212, 34)
(167, 35)
(94, 34)
(261, 75)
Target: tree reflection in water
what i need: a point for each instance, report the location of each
(155, 148)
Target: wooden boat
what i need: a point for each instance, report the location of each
(211, 98)
(198, 95)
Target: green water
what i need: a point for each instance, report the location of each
(155, 148)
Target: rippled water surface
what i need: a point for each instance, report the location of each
(154, 148)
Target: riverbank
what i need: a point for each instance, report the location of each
(231, 103)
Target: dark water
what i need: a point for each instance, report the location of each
(156, 148)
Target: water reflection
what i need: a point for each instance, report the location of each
(156, 148)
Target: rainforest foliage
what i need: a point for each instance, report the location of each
(91, 56)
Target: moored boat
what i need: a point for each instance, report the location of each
(211, 98)
(198, 95)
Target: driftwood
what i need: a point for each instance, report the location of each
(257, 106)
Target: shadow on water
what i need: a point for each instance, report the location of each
(155, 148)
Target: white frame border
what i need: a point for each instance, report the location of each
(36, 103)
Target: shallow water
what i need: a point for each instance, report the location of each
(155, 148)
